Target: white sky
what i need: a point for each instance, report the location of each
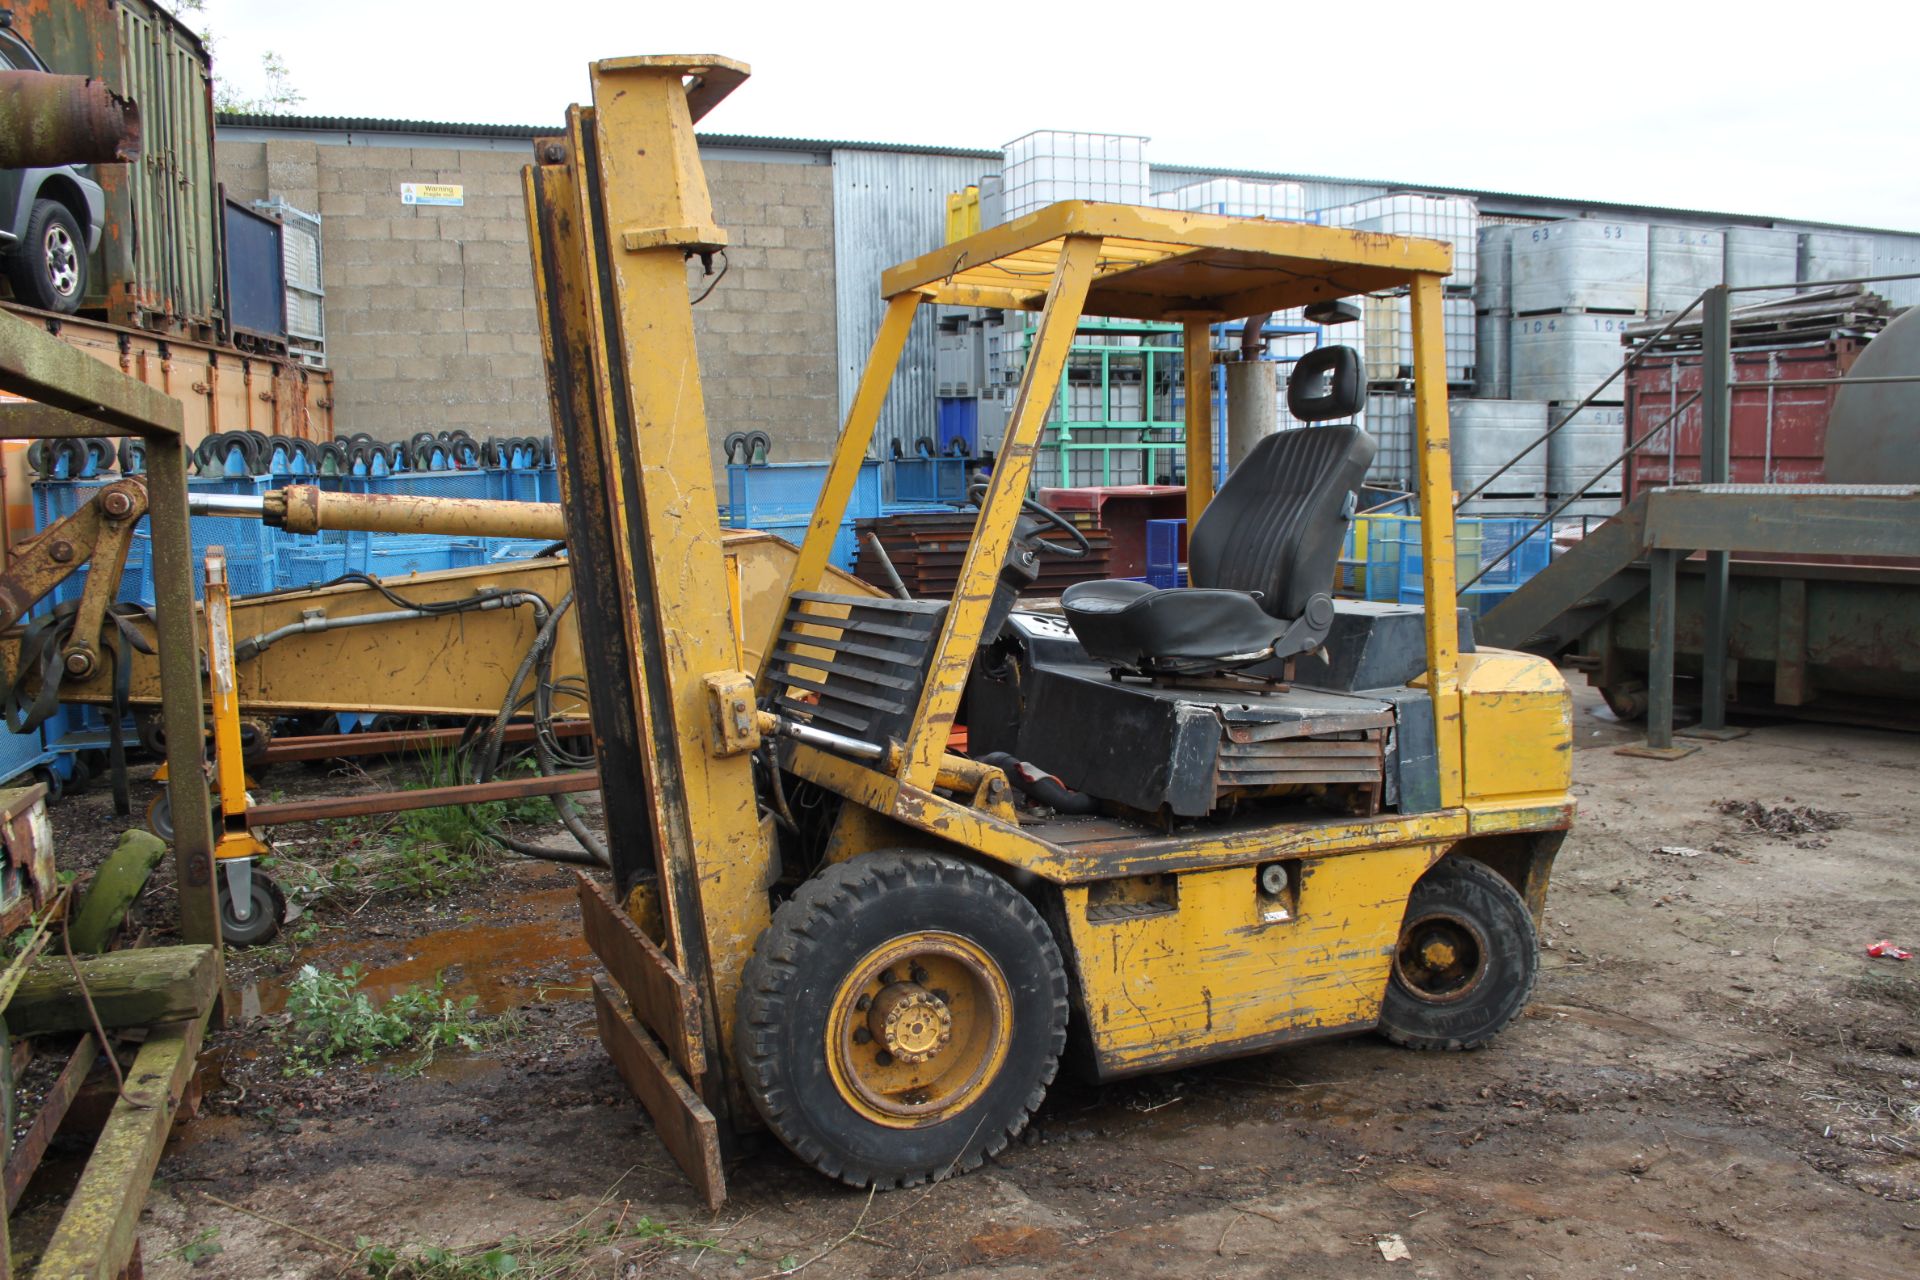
(1801, 110)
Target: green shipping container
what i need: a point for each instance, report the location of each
(158, 266)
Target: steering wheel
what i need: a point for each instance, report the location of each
(1076, 550)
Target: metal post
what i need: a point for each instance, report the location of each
(1716, 467)
(1660, 654)
(1197, 344)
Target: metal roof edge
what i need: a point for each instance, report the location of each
(357, 124)
(450, 129)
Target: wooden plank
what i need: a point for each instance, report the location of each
(95, 1238)
(128, 989)
(664, 999)
(682, 1120)
(26, 1154)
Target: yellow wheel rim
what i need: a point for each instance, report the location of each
(918, 1029)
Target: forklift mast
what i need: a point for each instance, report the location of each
(617, 207)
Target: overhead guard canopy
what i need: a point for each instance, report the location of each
(1162, 264)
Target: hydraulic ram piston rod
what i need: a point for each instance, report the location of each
(303, 508)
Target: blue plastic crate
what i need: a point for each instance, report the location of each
(419, 555)
(249, 544)
(20, 752)
(845, 541)
(499, 549)
(930, 479)
(760, 496)
(1164, 569)
(959, 419)
(307, 566)
(1478, 541)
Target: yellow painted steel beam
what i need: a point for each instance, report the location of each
(993, 531)
(1308, 252)
(1197, 346)
(849, 454)
(233, 839)
(1434, 466)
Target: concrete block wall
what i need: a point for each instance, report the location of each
(430, 311)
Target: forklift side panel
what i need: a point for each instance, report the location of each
(1215, 970)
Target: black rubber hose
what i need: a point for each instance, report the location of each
(1040, 785)
(538, 662)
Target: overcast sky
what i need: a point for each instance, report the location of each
(1746, 108)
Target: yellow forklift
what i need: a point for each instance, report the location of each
(1185, 825)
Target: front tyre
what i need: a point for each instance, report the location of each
(901, 1018)
(1466, 962)
(49, 266)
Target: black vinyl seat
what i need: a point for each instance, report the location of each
(1261, 561)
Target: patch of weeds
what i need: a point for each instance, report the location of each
(430, 870)
(581, 1250)
(446, 848)
(199, 1249)
(329, 1019)
(1898, 989)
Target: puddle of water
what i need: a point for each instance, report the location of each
(503, 964)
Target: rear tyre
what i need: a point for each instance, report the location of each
(901, 1018)
(49, 266)
(1466, 963)
(1627, 699)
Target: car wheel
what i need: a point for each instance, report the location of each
(49, 269)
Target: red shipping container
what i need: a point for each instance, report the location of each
(1779, 433)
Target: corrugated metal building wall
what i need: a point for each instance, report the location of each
(889, 206)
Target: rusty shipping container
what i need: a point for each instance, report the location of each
(1779, 434)
(222, 389)
(158, 265)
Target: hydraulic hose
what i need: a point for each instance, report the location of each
(547, 752)
(1038, 784)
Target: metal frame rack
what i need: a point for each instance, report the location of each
(1135, 445)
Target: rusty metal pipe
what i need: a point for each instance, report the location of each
(333, 745)
(48, 120)
(267, 815)
(302, 508)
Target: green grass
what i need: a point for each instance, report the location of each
(417, 853)
(329, 1019)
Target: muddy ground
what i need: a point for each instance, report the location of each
(1713, 1080)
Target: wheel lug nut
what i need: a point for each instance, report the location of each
(864, 1003)
(920, 975)
(886, 977)
(940, 994)
(861, 1035)
(884, 1058)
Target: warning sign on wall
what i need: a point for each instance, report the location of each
(432, 193)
